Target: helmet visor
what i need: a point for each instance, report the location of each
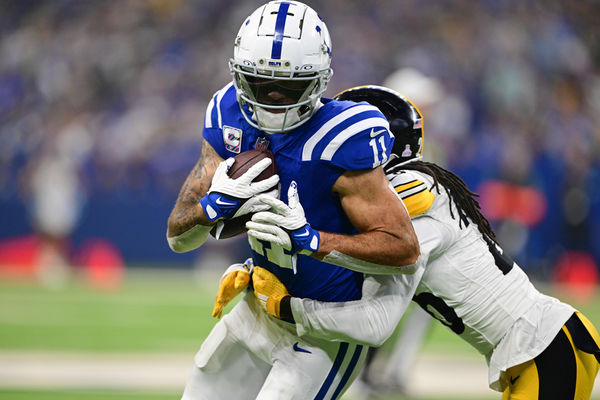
(277, 92)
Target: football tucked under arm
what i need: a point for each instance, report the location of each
(225, 190)
(233, 210)
(285, 224)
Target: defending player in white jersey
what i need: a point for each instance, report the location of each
(536, 346)
(336, 207)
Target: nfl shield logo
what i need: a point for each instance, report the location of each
(232, 137)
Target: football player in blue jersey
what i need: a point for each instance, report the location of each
(335, 208)
(536, 346)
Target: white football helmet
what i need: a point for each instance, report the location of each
(281, 65)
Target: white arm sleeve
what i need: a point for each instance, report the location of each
(190, 239)
(370, 321)
(355, 264)
(373, 319)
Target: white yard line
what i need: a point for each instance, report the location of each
(433, 375)
(100, 371)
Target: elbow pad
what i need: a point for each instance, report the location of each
(190, 239)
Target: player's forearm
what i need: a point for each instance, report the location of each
(187, 212)
(184, 217)
(377, 247)
(386, 235)
(190, 239)
(188, 226)
(363, 322)
(370, 321)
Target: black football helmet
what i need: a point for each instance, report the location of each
(406, 121)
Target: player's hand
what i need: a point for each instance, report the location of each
(269, 291)
(234, 280)
(254, 204)
(284, 224)
(226, 196)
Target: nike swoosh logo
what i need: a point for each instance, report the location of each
(373, 133)
(513, 380)
(303, 234)
(220, 202)
(300, 349)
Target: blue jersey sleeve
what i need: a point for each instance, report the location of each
(224, 125)
(364, 144)
(214, 136)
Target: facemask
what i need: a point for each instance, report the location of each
(275, 120)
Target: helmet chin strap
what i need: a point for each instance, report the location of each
(282, 120)
(272, 120)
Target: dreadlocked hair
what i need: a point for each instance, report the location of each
(458, 192)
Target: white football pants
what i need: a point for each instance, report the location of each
(250, 355)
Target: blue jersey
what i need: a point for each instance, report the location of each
(339, 137)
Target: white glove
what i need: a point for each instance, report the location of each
(226, 196)
(284, 224)
(253, 204)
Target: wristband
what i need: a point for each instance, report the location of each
(285, 309)
(217, 206)
(305, 238)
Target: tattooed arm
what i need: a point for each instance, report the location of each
(188, 226)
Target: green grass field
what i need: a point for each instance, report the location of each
(155, 313)
(98, 395)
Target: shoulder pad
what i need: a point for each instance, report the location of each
(214, 117)
(219, 123)
(352, 136)
(413, 190)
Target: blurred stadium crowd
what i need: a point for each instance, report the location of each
(102, 106)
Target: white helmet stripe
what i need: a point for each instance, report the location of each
(340, 139)
(279, 28)
(278, 42)
(209, 111)
(312, 142)
(218, 101)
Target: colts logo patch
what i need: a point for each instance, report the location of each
(232, 137)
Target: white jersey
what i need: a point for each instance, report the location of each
(463, 281)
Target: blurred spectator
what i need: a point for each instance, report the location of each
(130, 81)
